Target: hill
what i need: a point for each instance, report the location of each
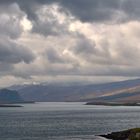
(123, 91)
(9, 96)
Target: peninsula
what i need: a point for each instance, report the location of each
(113, 104)
(131, 134)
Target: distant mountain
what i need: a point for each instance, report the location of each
(117, 91)
(131, 94)
(9, 96)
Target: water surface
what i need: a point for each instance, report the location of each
(65, 121)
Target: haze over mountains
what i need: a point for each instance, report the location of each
(124, 91)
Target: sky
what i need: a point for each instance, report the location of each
(69, 41)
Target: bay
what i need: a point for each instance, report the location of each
(65, 121)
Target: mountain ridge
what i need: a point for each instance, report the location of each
(58, 92)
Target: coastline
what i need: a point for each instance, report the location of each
(112, 104)
(16, 104)
(131, 134)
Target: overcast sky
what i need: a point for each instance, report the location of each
(69, 41)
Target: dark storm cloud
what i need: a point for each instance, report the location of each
(47, 23)
(102, 10)
(91, 10)
(12, 53)
(86, 10)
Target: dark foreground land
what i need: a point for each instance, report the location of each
(132, 134)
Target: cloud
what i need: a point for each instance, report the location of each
(84, 46)
(103, 10)
(13, 53)
(87, 11)
(106, 50)
(54, 56)
(50, 21)
(69, 38)
(11, 29)
(10, 17)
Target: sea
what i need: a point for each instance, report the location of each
(65, 121)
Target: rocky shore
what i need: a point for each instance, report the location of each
(131, 134)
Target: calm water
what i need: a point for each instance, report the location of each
(64, 121)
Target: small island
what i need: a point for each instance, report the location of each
(10, 105)
(131, 134)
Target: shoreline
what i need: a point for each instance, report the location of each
(112, 104)
(130, 134)
(16, 104)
